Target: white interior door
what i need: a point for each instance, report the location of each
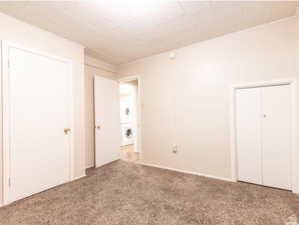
(264, 138)
(248, 135)
(107, 120)
(37, 110)
(276, 136)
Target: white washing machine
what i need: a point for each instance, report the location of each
(128, 135)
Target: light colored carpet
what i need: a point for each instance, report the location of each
(124, 193)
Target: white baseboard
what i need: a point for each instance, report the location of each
(79, 177)
(90, 166)
(187, 172)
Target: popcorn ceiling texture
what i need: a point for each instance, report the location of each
(124, 193)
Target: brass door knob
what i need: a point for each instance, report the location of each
(66, 130)
(98, 127)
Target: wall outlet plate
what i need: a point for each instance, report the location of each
(174, 149)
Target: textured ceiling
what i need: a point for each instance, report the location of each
(119, 31)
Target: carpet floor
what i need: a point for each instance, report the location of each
(124, 193)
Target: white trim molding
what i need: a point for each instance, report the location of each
(79, 177)
(295, 150)
(186, 172)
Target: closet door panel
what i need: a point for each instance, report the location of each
(39, 97)
(248, 135)
(276, 136)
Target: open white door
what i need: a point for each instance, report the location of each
(107, 121)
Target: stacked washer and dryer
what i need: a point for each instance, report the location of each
(127, 114)
(126, 125)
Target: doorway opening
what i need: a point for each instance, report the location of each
(129, 117)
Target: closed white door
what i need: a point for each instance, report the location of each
(38, 111)
(107, 120)
(276, 136)
(263, 118)
(249, 135)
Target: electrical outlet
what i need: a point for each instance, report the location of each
(174, 149)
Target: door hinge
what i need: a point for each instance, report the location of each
(9, 182)
(8, 64)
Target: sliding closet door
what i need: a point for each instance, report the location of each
(276, 136)
(38, 105)
(248, 135)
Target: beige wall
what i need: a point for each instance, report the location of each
(186, 100)
(34, 38)
(93, 67)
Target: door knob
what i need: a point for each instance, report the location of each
(66, 130)
(98, 127)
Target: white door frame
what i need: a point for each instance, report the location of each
(5, 45)
(295, 150)
(139, 108)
